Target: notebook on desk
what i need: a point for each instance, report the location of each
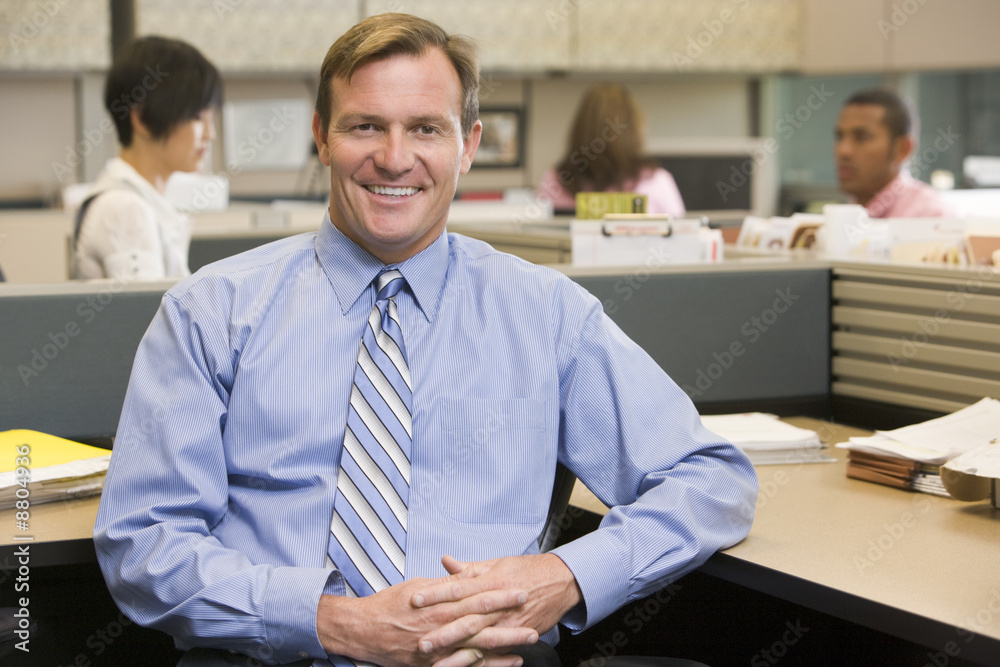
(42, 468)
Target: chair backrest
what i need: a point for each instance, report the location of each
(555, 523)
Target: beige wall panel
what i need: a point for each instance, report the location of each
(37, 132)
(54, 34)
(943, 35)
(842, 36)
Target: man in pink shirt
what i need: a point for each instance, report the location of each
(875, 137)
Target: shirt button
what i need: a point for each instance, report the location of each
(303, 654)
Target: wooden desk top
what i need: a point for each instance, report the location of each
(902, 562)
(63, 531)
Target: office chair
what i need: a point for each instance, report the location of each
(640, 661)
(562, 489)
(9, 625)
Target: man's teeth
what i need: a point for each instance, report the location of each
(396, 192)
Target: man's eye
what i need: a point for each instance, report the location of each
(428, 129)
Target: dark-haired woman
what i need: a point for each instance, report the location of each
(161, 94)
(605, 154)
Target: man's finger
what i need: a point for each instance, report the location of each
(477, 632)
(484, 599)
(452, 565)
(488, 660)
(463, 657)
(511, 660)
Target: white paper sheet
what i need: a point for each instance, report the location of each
(938, 440)
(758, 431)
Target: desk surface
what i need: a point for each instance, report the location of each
(62, 532)
(917, 566)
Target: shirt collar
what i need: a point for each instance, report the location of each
(121, 171)
(117, 171)
(351, 269)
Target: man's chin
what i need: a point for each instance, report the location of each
(848, 188)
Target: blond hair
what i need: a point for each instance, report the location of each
(387, 35)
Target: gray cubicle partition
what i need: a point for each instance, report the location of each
(66, 353)
(733, 336)
(206, 249)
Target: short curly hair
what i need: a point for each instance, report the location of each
(900, 116)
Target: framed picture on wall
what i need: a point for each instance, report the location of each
(502, 144)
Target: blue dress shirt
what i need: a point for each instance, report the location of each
(215, 516)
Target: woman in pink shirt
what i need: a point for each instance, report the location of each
(605, 155)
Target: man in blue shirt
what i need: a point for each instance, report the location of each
(215, 524)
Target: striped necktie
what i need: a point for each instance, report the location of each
(368, 544)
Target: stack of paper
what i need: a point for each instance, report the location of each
(766, 439)
(50, 468)
(923, 448)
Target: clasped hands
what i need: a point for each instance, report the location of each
(474, 616)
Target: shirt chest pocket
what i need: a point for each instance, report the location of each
(494, 453)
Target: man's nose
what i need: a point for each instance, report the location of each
(396, 154)
(842, 147)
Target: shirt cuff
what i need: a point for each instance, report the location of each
(601, 575)
(290, 605)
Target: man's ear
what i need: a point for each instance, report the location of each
(320, 137)
(470, 144)
(902, 147)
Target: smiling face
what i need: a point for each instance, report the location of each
(395, 151)
(868, 157)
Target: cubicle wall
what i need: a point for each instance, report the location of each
(66, 354)
(730, 337)
(733, 336)
(916, 337)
